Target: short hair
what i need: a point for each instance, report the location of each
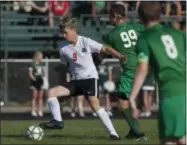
(149, 11)
(67, 21)
(118, 10)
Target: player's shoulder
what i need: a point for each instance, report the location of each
(135, 25)
(176, 31)
(64, 45)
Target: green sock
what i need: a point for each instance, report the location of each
(133, 123)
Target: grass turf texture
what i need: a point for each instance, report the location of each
(76, 132)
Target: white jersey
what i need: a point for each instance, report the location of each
(79, 58)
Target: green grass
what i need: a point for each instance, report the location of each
(76, 132)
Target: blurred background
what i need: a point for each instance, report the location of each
(27, 26)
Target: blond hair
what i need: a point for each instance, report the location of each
(36, 54)
(68, 22)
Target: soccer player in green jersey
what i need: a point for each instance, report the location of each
(123, 38)
(163, 49)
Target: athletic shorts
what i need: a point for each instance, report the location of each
(87, 87)
(125, 84)
(172, 116)
(37, 84)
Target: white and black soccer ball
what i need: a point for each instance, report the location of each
(35, 133)
(109, 86)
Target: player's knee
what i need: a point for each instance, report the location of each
(51, 93)
(123, 104)
(182, 141)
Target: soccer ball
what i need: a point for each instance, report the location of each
(35, 133)
(109, 86)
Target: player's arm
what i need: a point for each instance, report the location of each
(31, 73)
(141, 72)
(98, 47)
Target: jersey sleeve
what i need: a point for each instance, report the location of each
(62, 57)
(94, 46)
(142, 50)
(30, 68)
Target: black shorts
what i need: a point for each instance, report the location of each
(37, 84)
(87, 87)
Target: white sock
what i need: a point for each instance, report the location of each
(54, 107)
(103, 115)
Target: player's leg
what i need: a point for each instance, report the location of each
(169, 141)
(149, 103)
(40, 102)
(145, 102)
(72, 105)
(125, 85)
(108, 104)
(182, 140)
(91, 87)
(54, 106)
(80, 101)
(172, 118)
(103, 115)
(33, 102)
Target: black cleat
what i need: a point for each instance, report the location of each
(53, 124)
(137, 137)
(114, 137)
(130, 135)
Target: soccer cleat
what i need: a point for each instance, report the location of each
(94, 114)
(140, 136)
(73, 115)
(40, 113)
(147, 114)
(137, 137)
(53, 124)
(114, 137)
(34, 114)
(110, 113)
(81, 115)
(130, 135)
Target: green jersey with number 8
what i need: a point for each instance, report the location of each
(165, 50)
(123, 38)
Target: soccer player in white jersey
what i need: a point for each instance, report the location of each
(78, 56)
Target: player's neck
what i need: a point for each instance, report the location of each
(74, 42)
(120, 22)
(151, 24)
(36, 62)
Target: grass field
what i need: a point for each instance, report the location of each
(76, 132)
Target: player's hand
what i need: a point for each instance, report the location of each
(34, 79)
(135, 113)
(122, 58)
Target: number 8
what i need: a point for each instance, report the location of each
(170, 46)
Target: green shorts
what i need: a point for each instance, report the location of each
(125, 84)
(172, 116)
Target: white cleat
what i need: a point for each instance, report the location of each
(142, 114)
(40, 113)
(73, 114)
(147, 114)
(82, 115)
(34, 114)
(2, 103)
(110, 113)
(94, 114)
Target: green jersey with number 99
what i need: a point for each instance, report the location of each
(165, 50)
(123, 38)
